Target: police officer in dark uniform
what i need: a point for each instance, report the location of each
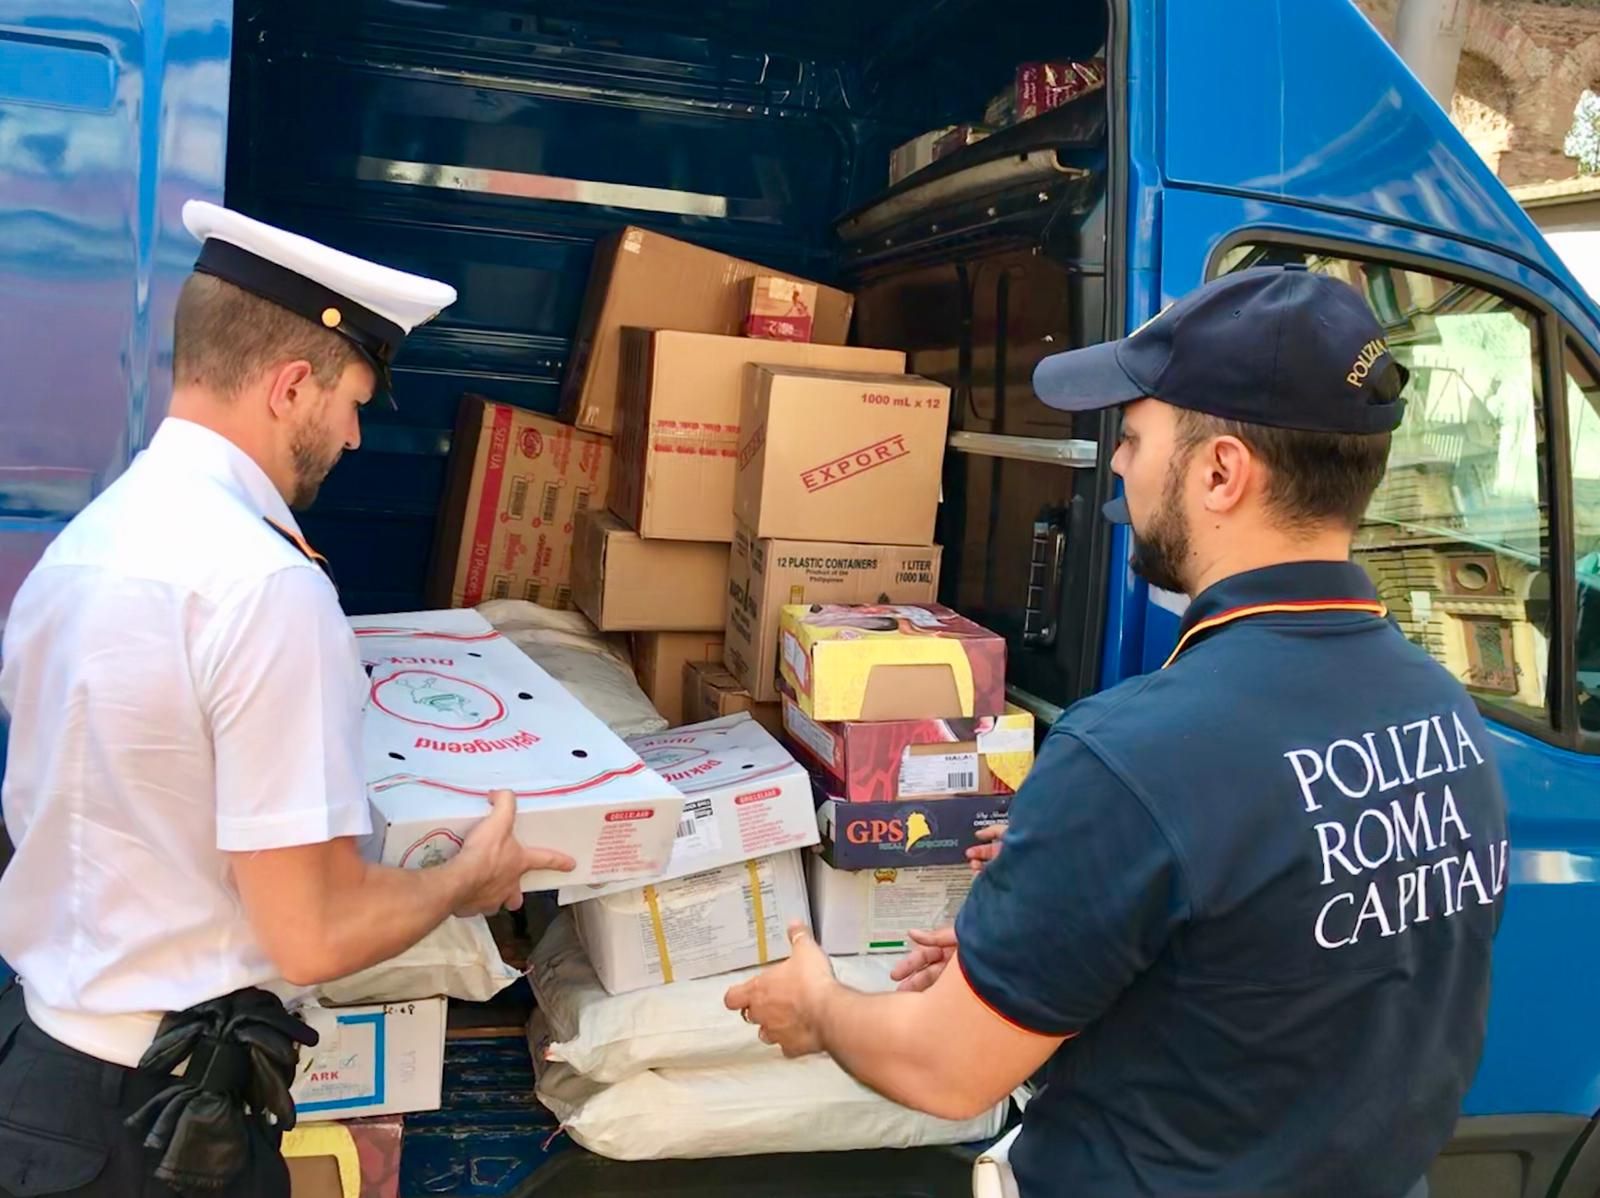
(1244, 908)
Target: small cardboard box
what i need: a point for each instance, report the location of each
(649, 280)
(455, 711)
(910, 759)
(695, 927)
(624, 583)
(371, 1060)
(711, 692)
(764, 576)
(659, 659)
(678, 430)
(828, 456)
(960, 138)
(780, 309)
(891, 662)
(908, 833)
(744, 797)
(515, 485)
(910, 157)
(873, 910)
(353, 1158)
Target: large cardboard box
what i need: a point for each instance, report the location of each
(906, 833)
(649, 280)
(659, 659)
(371, 1060)
(764, 576)
(624, 583)
(694, 927)
(711, 692)
(829, 456)
(516, 483)
(455, 711)
(678, 431)
(878, 762)
(890, 661)
(873, 910)
(744, 797)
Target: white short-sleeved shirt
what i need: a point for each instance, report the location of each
(181, 683)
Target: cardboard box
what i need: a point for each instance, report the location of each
(764, 576)
(625, 583)
(744, 797)
(455, 710)
(711, 692)
(678, 436)
(780, 309)
(694, 927)
(354, 1158)
(872, 910)
(649, 280)
(960, 138)
(659, 660)
(827, 456)
(889, 661)
(371, 1060)
(516, 483)
(909, 759)
(907, 833)
(910, 157)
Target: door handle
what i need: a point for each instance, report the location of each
(1074, 454)
(1040, 617)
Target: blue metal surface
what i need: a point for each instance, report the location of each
(490, 1135)
(111, 114)
(1365, 156)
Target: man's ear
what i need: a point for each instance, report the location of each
(289, 387)
(1228, 472)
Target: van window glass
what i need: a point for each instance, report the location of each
(1457, 536)
(1583, 431)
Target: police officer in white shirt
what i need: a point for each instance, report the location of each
(185, 784)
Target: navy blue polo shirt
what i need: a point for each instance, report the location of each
(1257, 888)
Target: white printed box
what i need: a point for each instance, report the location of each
(873, 910)
(744, 797)
(371, 1060)
(455, 710)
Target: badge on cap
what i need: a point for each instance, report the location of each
(372, 306)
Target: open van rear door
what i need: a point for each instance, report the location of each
(1314, 144)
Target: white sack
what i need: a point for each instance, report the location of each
(685, 1025)
(805, 1105)
(458, 959)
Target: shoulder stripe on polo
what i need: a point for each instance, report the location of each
(998, 1014)
(1371, 607)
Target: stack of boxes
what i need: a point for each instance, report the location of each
(901, 710)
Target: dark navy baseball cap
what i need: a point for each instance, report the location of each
(1279, 346)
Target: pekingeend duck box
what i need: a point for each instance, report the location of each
(454, 711)
(888, 661)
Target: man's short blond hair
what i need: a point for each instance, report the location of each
(224, 337)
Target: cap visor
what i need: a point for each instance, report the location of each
(1117, 511)
(1085, 380)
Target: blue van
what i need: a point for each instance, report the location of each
(492, 142)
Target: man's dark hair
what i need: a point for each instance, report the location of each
(1312, 478)
(223, 337)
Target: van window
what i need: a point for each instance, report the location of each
(1457, 535)
(1583, 431)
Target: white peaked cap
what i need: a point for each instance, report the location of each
(373, 306)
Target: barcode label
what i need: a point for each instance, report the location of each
(501, 589)
(552, 498)
(580, 504)
(519, 498)
(563, 598)
(532, 591)
(686, 827)
(697, 836)
(938, 774)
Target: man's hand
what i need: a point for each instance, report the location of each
(980, 855)
(493, 861)
(921, 967)
(786, 1001)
